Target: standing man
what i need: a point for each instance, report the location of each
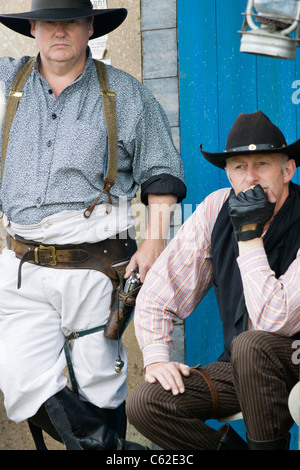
(245, 242)
(66, 206)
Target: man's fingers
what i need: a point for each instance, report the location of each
(166, 380)
(132, 265)
(150, 378)
(169, 375)
(184, 369)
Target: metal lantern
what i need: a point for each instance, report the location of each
(271, 28)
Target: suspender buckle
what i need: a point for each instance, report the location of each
(45, 255)
(16, 94)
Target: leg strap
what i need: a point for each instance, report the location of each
(212, 388)
(72, 336)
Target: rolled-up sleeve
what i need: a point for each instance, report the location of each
(157, 164)
(161, 185)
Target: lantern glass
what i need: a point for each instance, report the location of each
(277, 8)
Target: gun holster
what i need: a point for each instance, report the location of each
(123, 303)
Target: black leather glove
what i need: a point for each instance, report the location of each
(249, 207)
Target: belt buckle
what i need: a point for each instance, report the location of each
(51, 249)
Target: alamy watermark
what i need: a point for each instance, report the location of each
(296, 353)
(296, 93)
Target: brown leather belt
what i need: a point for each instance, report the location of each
(99, 256)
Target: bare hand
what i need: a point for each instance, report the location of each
(144, 257)
(168, 374)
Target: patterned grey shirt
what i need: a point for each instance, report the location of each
(57, 151)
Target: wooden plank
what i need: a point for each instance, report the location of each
(198, 92)
(275, 95)
(274, 85)
(217, 82)
(237, 84)
(198, 123)
(295, 97)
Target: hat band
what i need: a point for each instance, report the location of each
(254, 147)
(54, 4)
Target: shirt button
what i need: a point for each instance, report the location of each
(39, 200)
(54, 116)
(50, 92)
(49, 143)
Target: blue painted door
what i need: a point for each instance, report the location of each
(217, 82)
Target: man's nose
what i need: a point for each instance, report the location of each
(252, 175)
(60, 29)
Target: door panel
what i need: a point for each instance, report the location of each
(217, 82)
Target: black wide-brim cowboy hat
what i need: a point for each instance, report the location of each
(253, 134)
(105, 20)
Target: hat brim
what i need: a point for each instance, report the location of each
(219, 159)
(105, 20)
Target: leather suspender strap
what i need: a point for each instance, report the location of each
(109, 98)
(12, 104)
(109, 109)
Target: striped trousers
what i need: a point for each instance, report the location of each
(257, 382)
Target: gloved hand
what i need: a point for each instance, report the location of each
(249, 207)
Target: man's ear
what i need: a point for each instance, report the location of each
(32, 29)
(289, 170)
(227, 173)
(91, 27)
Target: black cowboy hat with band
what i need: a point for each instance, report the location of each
(105, 20)
(252, 134)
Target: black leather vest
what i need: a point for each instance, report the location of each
(281, 243)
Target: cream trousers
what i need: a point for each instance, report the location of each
(35, 319)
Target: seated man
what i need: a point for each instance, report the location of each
(245, 241)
